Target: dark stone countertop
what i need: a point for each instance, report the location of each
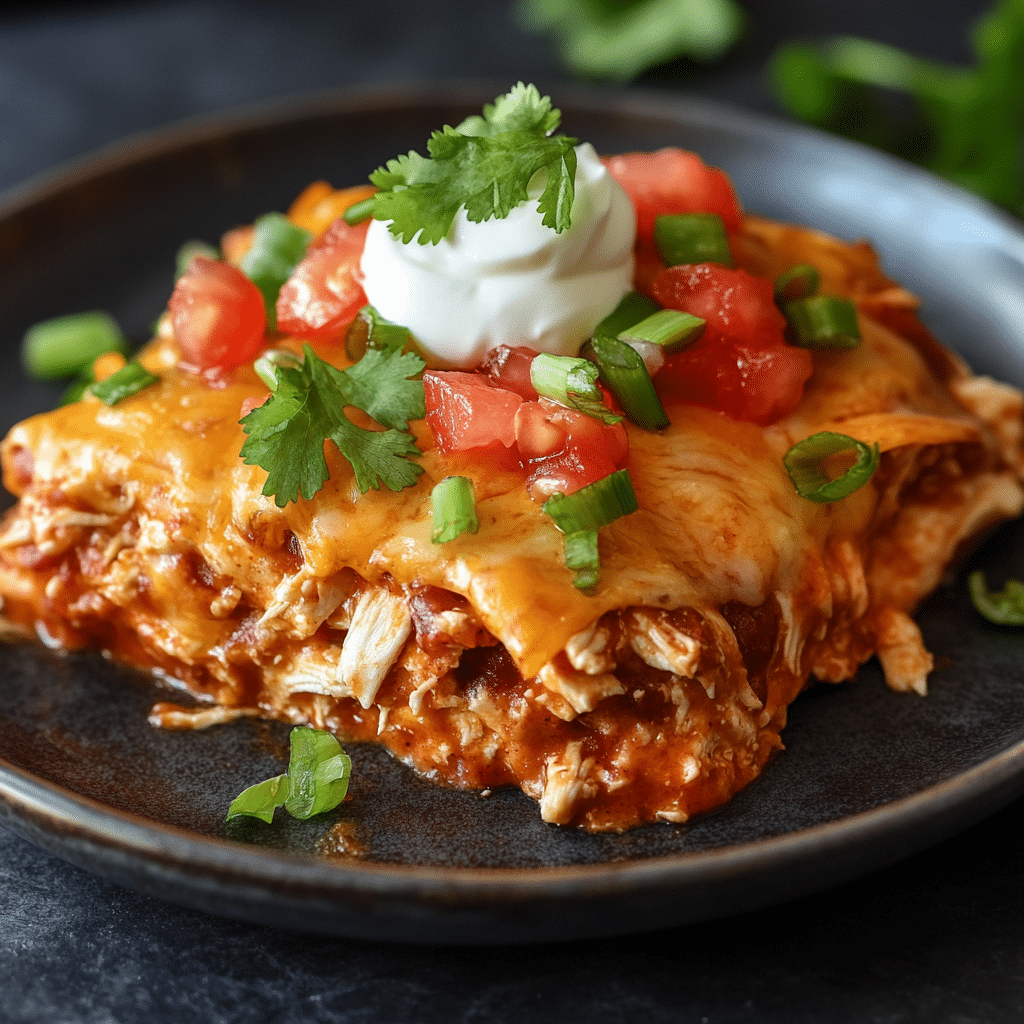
(938, 938)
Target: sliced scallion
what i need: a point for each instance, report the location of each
(571, 382)
(799, 282)
(595, 505)
(581, 558)
(318, 773)
(68, 345)
(453, 509)
(277, 246)
(260, 801)
(823, 321)
(358, 212)
(76, 390)
(692, 238)
(624, 374)
(1004, 607)
(267, 364)
(190, 249)
(132, 378)
(671, 329)
(633, 308)
(805, 463)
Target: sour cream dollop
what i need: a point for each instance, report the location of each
(511, 281)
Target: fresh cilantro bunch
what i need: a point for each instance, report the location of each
(307, 407)
(967, 125)
(620, 39)
(484, 165)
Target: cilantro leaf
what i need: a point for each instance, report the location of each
(286, 434)
(484, 165)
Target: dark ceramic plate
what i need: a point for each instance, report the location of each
(868, 776)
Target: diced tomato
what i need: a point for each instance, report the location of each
(466, 411)
(323, 295)
(509, 368)
(741, 365)
(218, 315)
(565, 450)
(673, 181)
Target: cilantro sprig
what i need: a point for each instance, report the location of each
(485, 165)
(316, 780)
(286, 434)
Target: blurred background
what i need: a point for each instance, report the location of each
(77, 76)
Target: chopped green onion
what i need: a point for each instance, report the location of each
(358, 212)
(805, 463)
(595, 505)
(571, 382)
(132, 378)
(277, 246)
(633, 308)
(260, 801)
(581, 557)
(190, 249)
(692, 238)
(316, 781)
(67, 345)
(799, 282)
(318, 772)
(625, 375)
(1004, 607)
(823, 321)
(370, 330)
(451, 502)
(76, 390)
(267, 364)
(670, 329)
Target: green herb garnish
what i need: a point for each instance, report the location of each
(132, 378)
(805, 463)
(582, 558)
(287, 432)
(484, 165)
(596, 505)
(571, 382)
(316, 781)
(68, 345)
(1004, 607)
(453, 509)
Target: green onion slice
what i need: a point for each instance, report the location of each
(190, 249)
(76, 390)
(267, 364)
(581, 558)
(260, 801)
(1004, 607)
(571, 382)
(671, 329)
(805, 463)
(132, 378)
(799, 282)
(316, 781)
(625, 375)
(358, 212)
(277, 246)
(318, 771)
(67, 345)
(454, 512)
(633, 308)
(595, 505)
(692, 238)
(823, 321)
